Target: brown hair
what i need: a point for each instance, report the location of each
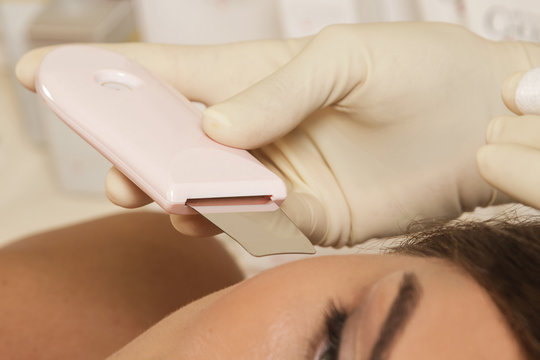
(503, 257)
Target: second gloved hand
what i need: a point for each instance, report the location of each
(511, 159)
(371, 126)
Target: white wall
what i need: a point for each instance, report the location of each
(505, 20)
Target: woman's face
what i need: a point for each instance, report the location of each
(393, 307)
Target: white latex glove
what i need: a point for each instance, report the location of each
(371, 126)
(511, 160)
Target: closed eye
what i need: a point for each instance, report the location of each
(334, 322)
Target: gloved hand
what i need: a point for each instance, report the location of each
(511, 160)
(371, 126)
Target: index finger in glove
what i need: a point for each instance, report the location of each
(521, 92)
(123, 192)
(519, 130)
(208, 74)
(322, 74)
(513, 169)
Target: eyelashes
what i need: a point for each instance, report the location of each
(333, 324)
(335, 320)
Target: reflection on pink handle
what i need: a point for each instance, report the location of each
(147, 129)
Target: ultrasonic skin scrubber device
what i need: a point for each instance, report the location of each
(153, 135)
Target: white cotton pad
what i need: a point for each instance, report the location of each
(528, 93)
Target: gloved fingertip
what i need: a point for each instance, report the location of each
(495, 129)
(509, 88)
(122, 192)
(215, 124)
(194, 225)
(232, 130)
(25, 72)
(484, 161)
(213, 119)
(27, 66)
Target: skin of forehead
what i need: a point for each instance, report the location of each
(264, 310)
(470, 326)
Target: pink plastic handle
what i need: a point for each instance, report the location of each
(148, 130)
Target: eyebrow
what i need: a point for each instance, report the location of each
(400, 312)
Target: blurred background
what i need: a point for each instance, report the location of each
(49, 177)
